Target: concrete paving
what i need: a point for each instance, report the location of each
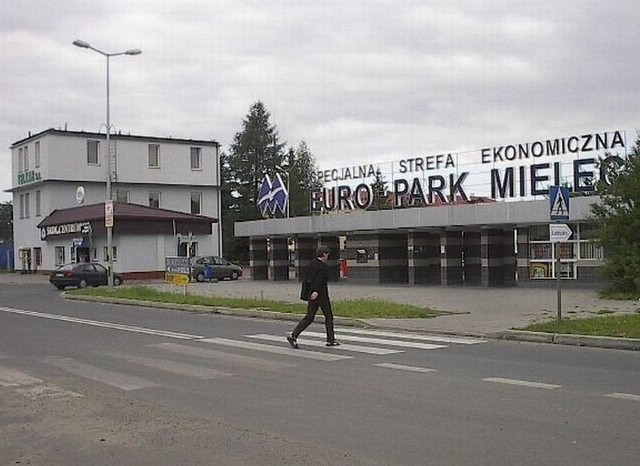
(474, 311)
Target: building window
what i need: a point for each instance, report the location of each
(20, 161)
(122, 196)
(26, 206)
(93, 152)
(196, 203)
(196, 158)
(38, 200)
(60, 259)
(154, 155)
(37, 253)
(105, 253)
(37, 153)
(154, 199)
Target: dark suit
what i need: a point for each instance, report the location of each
(317, 276)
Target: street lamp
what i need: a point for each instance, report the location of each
(86, 45)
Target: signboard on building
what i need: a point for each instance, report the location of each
(65, 229)
(511, 172)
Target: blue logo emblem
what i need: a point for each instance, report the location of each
(272, 195)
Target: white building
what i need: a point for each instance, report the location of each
(57, 175)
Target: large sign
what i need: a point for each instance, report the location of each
(515, 171)
(272, 195)
(28, 177)
(65, 229)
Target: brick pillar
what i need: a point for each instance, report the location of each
(333, 242)
(426, 258)
(393, 260)
(279, 259)
(258, 261)
(523, 255)
(472, 258)
(492, 257)
(510, 259)
(451, 257)
(305, 248)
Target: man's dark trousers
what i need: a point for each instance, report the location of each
(324, 303)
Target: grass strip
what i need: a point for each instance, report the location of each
(356, 308)
(618, 326)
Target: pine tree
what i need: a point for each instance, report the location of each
(6, 222)
(255, 152)
(379, 191)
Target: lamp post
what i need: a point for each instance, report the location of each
(108, 196)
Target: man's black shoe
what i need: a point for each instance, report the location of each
(292, 341)
(332, 343)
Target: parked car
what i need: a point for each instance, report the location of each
(81, 275)
(214, 267)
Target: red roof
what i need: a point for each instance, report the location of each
(121, 211)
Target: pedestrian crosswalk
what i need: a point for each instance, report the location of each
(213, 358)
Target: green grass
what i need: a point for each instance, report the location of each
(620, 326)
(358, 308)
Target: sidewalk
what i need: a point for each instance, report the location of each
(486, 312)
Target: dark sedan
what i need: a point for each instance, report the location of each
(214, 267)
(81, 275)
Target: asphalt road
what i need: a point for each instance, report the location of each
(89, 383)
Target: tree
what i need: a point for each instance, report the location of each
(6, 222)
(379, 190)
(255, 151)
(300, 165)
(617, 219)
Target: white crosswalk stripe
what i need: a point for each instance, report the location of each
(343, 347)
(97, 374)
(412, 336)
(32, 387)
(379, 341)
(223, 357)
(403, 367)
(180, 368)
(300, 353)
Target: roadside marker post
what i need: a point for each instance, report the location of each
(559, 232)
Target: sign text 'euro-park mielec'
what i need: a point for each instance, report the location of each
(516, 171)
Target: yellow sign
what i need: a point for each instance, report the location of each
(177, 278)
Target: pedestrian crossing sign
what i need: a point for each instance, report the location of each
(559, 203)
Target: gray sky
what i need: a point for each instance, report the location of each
(359, 81)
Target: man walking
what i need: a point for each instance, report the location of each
(317, 276)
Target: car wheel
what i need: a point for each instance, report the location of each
(116, 281)
(200, 277)
(234, 275)
(82, 284)
(60, 287)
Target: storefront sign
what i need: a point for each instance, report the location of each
(28, 177)
(65, 229)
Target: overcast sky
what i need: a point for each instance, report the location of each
(360, 81)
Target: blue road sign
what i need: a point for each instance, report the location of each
(559, 203)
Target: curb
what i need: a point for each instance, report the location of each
(631, 344)
(249, 313)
